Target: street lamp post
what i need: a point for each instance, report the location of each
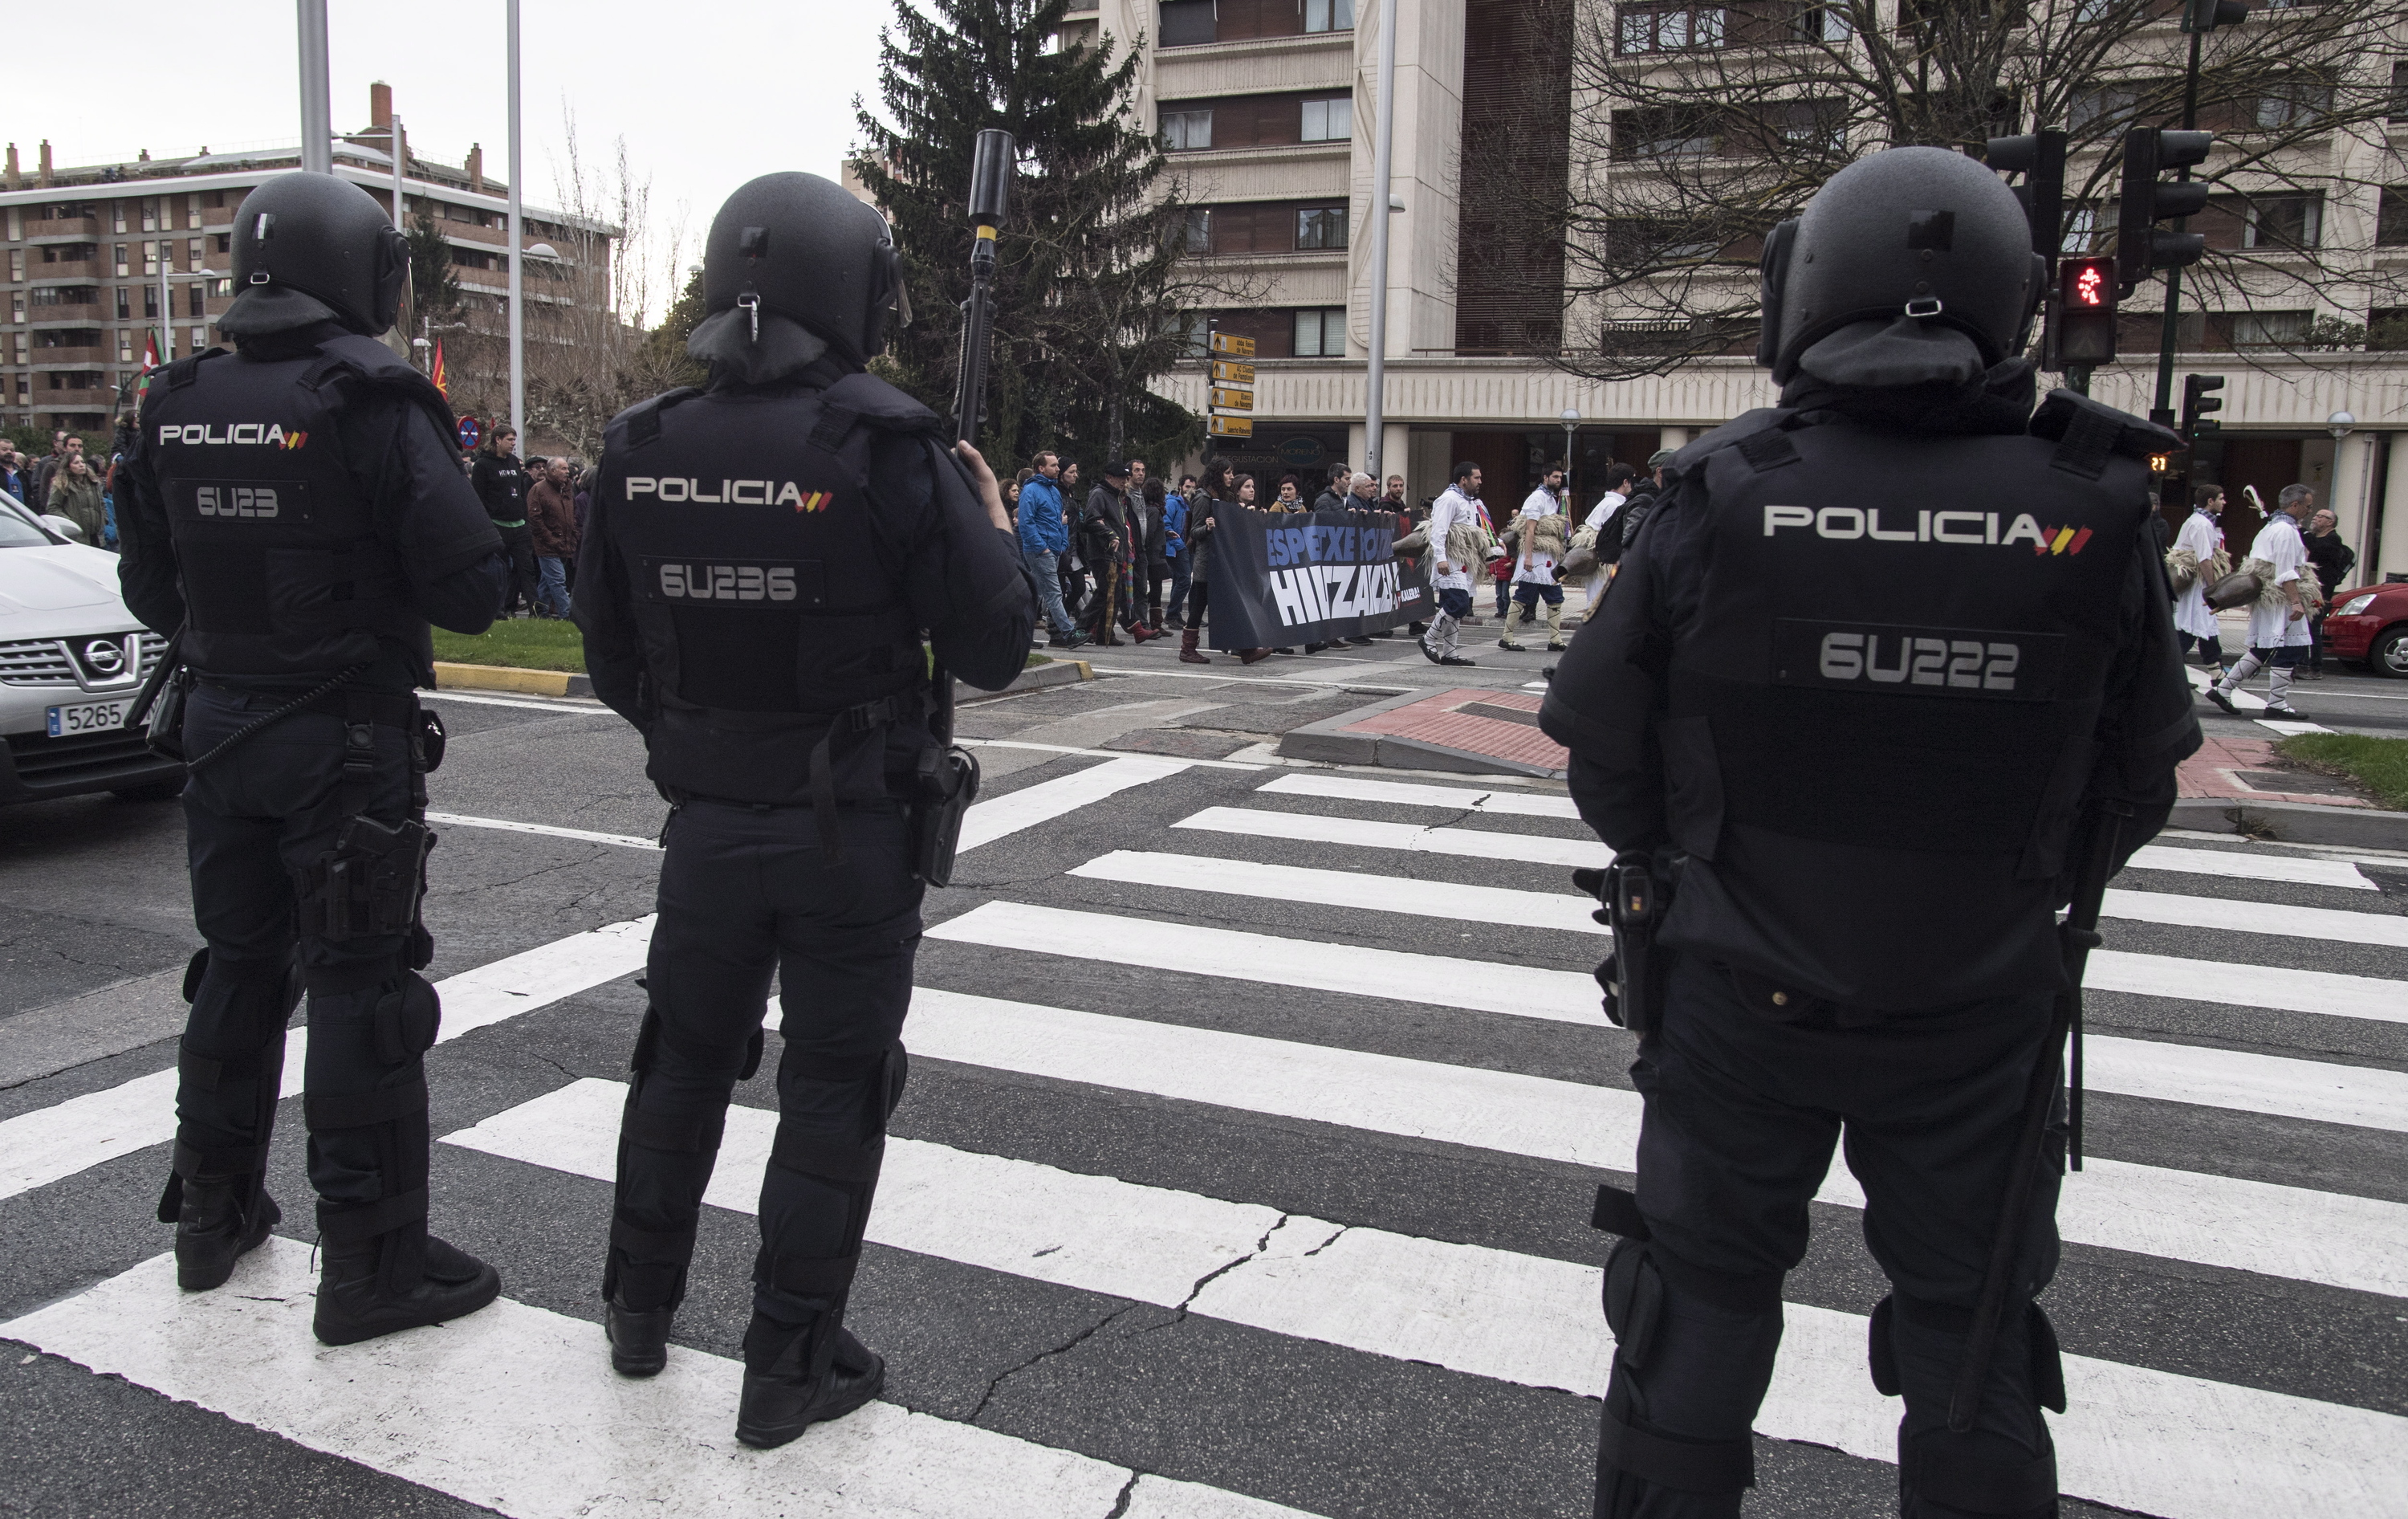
(1572, 421)
(1375, 373)
(317, 106)
(518, 248)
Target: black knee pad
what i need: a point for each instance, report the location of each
(1938, 1324)
(408, 1018)
(1942, 1474)
(1646, 1288)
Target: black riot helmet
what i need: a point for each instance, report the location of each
(308, 247)
(1919, 233)
(805, 248)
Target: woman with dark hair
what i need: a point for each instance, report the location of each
(1205, 515)
(1149, 559)
(1074, 565)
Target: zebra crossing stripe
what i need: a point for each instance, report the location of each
(2327, 924)
(2148, 1439)
(2293, 1232)
(2232, 1079)
(2229, 863)
(989, 821)
(51, 1144)
(1364, 833)
(513, 1408)
(1355, 788)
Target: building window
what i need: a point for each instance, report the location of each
(2391, 218)
(1186, 131)
(1825, 23)
(200, 340)
(2298, 104)
(1320, 228)
(16, 304)
(2269, 329)
(1186, 23)
(150, 301)
(191, 213)
(2291, 223)
(1199, 229)
(150, 214)
(16, 263)
(1329, 121)
(192, 306)
(149, 260)
(124, 304)
(1669, 28)
(192, 253)
(116, 216)
(122, 269)
(1663, 129)
(215, 199)
(124, 346)
(1321, 332)
(222, 242)
(1328, 15)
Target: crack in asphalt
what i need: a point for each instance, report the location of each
(1065, 1347)
(1128, 1491)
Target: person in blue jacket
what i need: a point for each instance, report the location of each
(1043, 540)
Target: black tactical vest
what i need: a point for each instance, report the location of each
(283, 572)
(770, 617)
(1883, 711)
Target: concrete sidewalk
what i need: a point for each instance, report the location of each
(2240, 786)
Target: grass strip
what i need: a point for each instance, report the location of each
(529, 644)
(2379, 764)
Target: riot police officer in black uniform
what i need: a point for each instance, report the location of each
(762, 559)
(1875, 659)
(297, 508)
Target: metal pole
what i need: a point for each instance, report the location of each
(1375, 375)
(518, 252)
(2167, 333)
(317, 107)
(394, 142)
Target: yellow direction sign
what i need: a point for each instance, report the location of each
(1242, 348)
(1233, 400)
(1230, 426)
(1226, 373)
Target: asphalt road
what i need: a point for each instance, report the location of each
(1229, 1190)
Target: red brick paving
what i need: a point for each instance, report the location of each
(2214, 772)
(1437, 720)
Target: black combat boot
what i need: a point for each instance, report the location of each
(640, 1337)
(782, 1398)
(221, 1219)
(398, 1279)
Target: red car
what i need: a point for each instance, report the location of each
(2371, 623)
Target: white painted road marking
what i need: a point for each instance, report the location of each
(619, 841)
(1362, 833)
(2295, 1232)
(2144, 1438)
(1046, 800)
(2233, 865)
(515, 1408)
(1407, 793)
(2328, 924)
(2231, 1078)
(50, 1143)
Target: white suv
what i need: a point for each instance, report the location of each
(71, 660)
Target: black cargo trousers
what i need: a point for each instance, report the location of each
(262, 824)
(1743, 1110)
(746, 891)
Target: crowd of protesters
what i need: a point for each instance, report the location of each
(539, 507)
(1132, 553)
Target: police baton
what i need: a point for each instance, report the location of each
(990, 193)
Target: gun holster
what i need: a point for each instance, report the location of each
(947, 785)
(370, 883)
(1636, 893)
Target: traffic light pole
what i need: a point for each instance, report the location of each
(2171, 330)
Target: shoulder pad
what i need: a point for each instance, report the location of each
(879, 404)
(1732, 433)
(371, 362)
(641, 424)
(2089, 433)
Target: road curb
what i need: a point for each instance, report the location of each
(1328, 741)
(450, 677)
(2294, 822)
(1061, 672)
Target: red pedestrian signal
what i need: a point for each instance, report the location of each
(2085, 323)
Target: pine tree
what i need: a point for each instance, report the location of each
(1092, 288)
(434, 288)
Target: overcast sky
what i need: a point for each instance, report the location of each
(707, 93)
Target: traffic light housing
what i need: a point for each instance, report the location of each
(2141, 248)
(2207, 15)
(2197, 402)
(2086, 311)
(2040, 158)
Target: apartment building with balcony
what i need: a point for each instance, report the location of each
(83, 250)
(1267, 108)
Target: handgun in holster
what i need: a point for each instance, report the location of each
(1634, 896)
(370, 883)
(945, 785)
